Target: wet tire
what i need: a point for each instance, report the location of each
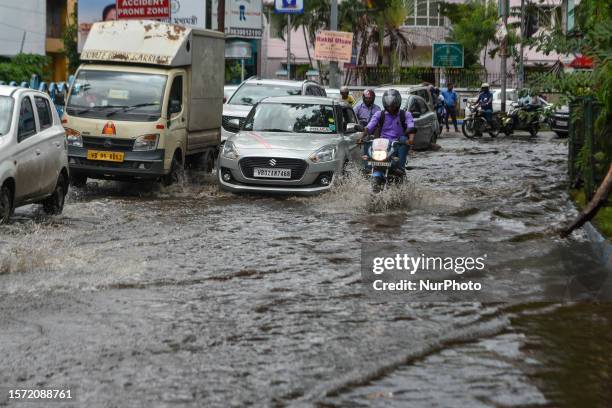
(533, 130)
(176, 172)
(495, 129)
(54, 204)
(78, 180)
(6, 205)
(434, 138)
(469, 128)
(378, 185)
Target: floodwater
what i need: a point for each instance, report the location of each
(141, 296)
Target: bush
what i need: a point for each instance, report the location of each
(22, 66)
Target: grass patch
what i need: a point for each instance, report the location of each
(603, 219)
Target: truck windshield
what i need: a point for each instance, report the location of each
(6, 111)
(292, 117)
(250, 94)
(120, 95)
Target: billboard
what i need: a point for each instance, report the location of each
(190, 13)
(22, 27)
(143, 9)
(243, 18)
(334, 46)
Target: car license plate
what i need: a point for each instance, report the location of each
(561, 123)
(105, 156)
(379, 164)
(272, 173)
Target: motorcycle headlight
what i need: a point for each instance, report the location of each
(229, 150)
(145, 142)
(324, 154)
(73, 137)
(379, 155)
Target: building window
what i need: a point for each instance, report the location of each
(424, 13)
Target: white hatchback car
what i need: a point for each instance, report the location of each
(33, 155)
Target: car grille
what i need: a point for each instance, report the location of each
(226, 125)
(108, 143)
(298, 167)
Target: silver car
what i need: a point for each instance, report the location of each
(290, 144)
(33, 159)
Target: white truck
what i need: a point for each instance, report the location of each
(148, 97)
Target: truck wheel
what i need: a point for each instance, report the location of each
(78, 180)
(6, 205)
(54, 204)
(176, 172)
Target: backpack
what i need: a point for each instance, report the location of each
(381, 122)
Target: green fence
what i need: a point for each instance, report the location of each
(590, 147)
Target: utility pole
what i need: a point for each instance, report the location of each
(504, 53)
(521, 81)
(334, 80)
(288, 46)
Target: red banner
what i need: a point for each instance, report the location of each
(143, 9)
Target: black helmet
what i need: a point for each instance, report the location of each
(392, 100)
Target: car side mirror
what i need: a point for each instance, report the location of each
(465, 99)
(354, 128)
(234, 124)
(175, 107)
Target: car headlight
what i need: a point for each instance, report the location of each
(229, 150)
(324, 154)
(145, 142)
(379, 155)
(73, 137)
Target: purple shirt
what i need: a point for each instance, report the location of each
(364, 114)
(392, 128)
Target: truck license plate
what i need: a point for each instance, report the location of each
(272, 173)
(561, 123)
(105, 156)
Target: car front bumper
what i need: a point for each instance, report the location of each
(144, 165)
(309, 183)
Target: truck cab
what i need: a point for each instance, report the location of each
(148, 97)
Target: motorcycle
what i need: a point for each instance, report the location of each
(382, 159)
(521, 117)
(475, 123)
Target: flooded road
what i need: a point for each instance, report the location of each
(142, 296)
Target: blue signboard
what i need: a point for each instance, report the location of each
(289, 6)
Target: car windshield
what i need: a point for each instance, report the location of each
(250, 94)
(120, 95)
(292, 117)
(6, 112)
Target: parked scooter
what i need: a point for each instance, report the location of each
(475, 123)
(382, 159)
(522, 117)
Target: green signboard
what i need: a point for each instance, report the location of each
(447, 55)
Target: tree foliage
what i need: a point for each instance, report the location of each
(22, 66)
(70, 40)
(473, 24)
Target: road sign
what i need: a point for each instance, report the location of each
(289, 6)
(447, 55)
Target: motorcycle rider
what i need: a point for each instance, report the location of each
(394, 124)
(485, 101)
(345, 96)
(367, 108)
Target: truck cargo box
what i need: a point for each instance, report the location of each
(142, 42)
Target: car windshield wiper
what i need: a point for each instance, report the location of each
(273, 130)
(126, 108)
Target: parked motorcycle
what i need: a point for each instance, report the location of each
(381, 157)
(475, 123)
(522, 117)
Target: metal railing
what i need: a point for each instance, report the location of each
(57, 91)
(590, 150)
